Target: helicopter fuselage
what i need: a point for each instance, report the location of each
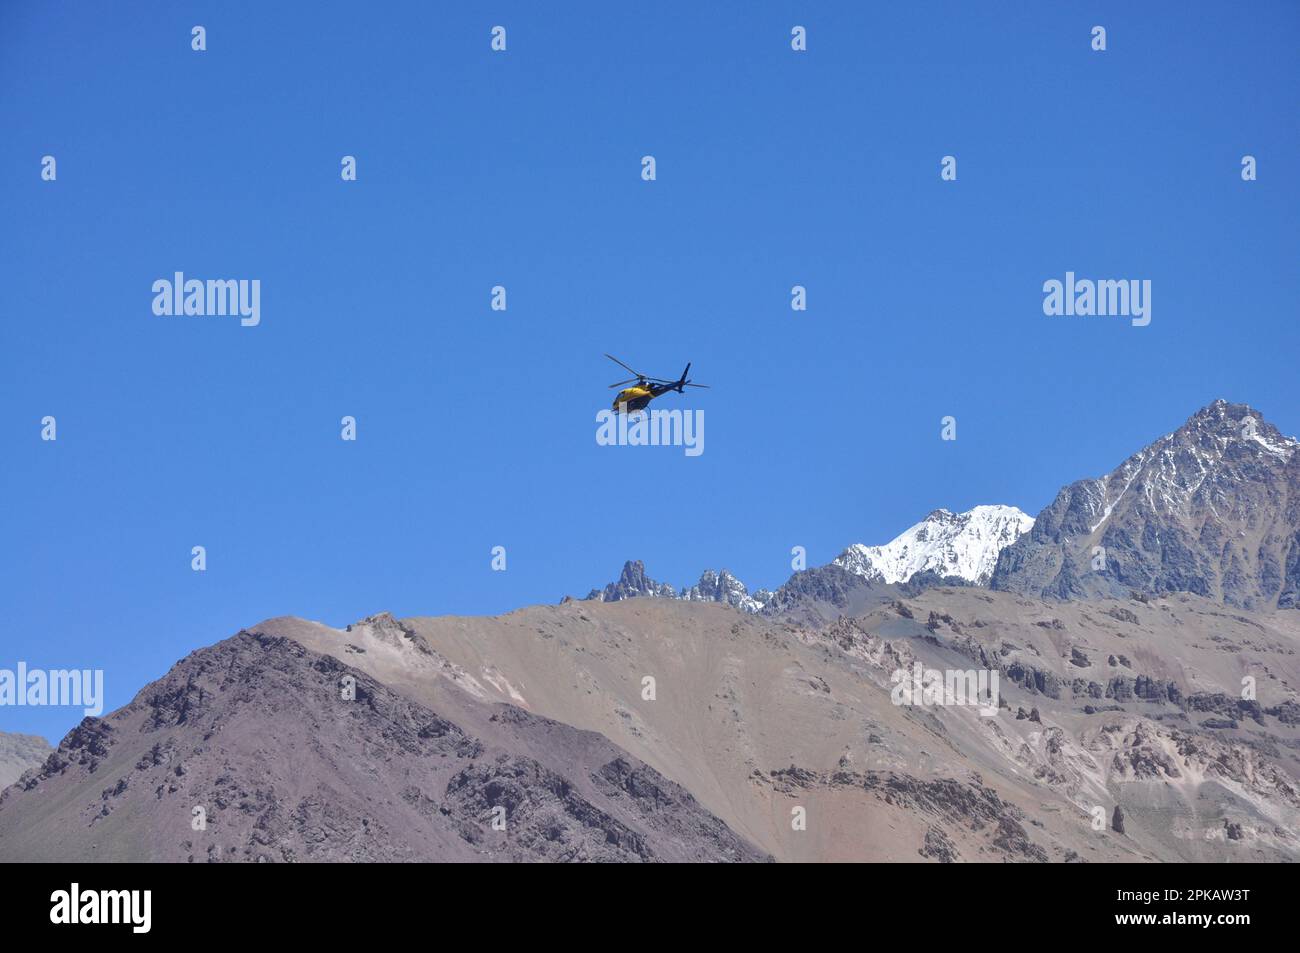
(637, 397)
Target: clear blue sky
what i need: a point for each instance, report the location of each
(476, 428)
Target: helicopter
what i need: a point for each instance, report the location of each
(635, 398)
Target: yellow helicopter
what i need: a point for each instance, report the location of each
(635, 398)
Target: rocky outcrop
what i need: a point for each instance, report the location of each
(721, 587)
(725, 588)
(938, 847)
(632, 583)
(967, 804)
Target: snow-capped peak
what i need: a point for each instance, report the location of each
(965, 545)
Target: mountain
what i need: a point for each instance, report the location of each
(672, 729)
(255, 735)
(962, 545)
(943, 547)
(722, 587)
(1212, 509)
(18, 753)
(648, 724)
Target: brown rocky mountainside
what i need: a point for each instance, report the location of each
(252, 742)
(1105, 703)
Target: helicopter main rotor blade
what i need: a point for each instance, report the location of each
(625, 367)
(643, 379)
